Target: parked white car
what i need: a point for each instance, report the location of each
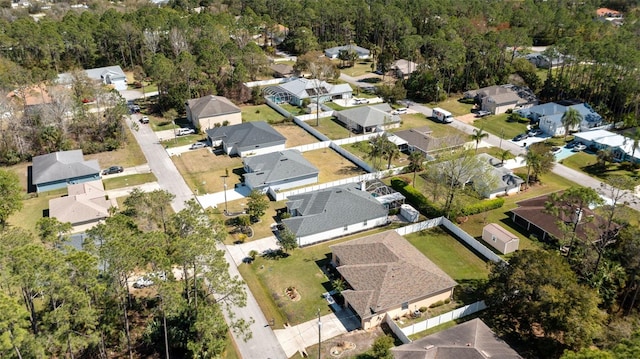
(400, 111)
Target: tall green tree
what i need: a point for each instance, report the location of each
(416, 160)
(537, 294)
(11, 194)
(257, 204)
(477, 136)
(570, 119)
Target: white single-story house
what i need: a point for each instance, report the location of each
(402, 68)
(85, 203)
(279, 170)
(367, 119)
(499, 238)
(549, 117)
(386, 275)
(295, 91)
(621, 146)
(247, 139)
(57, 170)
(333, 212)
(507, 182)
(109, 75)
(334, 52)
(499, 99)
(211, 111)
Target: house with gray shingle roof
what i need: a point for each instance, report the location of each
(469, 340)
(56, 170)
(211, 111)
(549, 117)
(386, 275)
(333, 212)
(506, 181)
(295, 91)
(85, 203)
(369, 118)
(246, 139)
(278, 171)
(109, 75)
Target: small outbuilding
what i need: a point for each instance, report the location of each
(409, 213)
(499, 238)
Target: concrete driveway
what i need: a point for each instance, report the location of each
(241, 251)
(128, 171)
(214, 200)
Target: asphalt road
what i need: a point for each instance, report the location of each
(263, 344)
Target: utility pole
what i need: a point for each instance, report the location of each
(319, 333)
(501, 136)
(225, 194)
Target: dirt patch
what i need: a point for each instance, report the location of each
(332, 166)
(359, 340)
(295, 135)
(468, 118)
(341, 348)
(293, 294)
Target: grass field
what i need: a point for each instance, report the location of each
(294, 134)
(33, 208)
(203, 170)
(128, 155)
(499, 126)
(414, 120)
(126, 181)
(360, 149)
(588, 164)
(449, 254)
(183, 140)
(330, 128)
(162, 124)
(454, 106)
(358, 69)
(332, 166)
(260, 113)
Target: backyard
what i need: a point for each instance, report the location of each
(361, 149)
(294, 134)
(34, 208)
(203, 170)
(260, 113)
(332, 165)
(330, 128)
(500, 126)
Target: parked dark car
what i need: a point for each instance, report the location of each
(112, 170)
(520, 137)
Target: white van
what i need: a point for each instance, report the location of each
(441, 115)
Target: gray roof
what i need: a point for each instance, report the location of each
(306, 88)
(506, 178)
(384, 270)
(335, 51)
(367, 116)
(209, 106)
(98, 73)
(61, 166)
(275, 167)
(421, 139)
(469, 340)
(331, 208)
(247, 135)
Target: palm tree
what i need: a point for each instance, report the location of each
(478, 135)
(504, 155)
(570, 119)
(532, 158)
(416, 158)
(605, 155)
(390, 151)
(376, 150)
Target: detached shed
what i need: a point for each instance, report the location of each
(500, 239)
(409, 213)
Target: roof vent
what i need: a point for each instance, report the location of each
(339, 191)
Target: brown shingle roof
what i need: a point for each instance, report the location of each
(384, 271)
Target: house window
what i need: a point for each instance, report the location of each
(493, 237)
(365, 222)
(405, 305)
(346, 228)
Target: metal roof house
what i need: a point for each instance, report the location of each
(295, 91)
(85, 203)
(56, 170)
(333, 212)
(246, 139)
(211, 111)
(109, 75)
(386, 275)
(549, 116)
(334, 52)
(366, 119)
(469, 340)
(278, 171)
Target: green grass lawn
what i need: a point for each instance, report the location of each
(499, 126)
(34, 208)
(330, 127)
(359, 68)
(336, 107)
(162, 124)
(183, 140)
(454, 106)
(360, 149)
(588, 164)
(260, 113)
(450, 255)
(126, 181)
(414, 120)
(294, 110)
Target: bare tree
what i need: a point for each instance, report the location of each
(151, 39)
(178, 41)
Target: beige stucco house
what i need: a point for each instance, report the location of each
(86, 203)
(387, 275)
(211, 111)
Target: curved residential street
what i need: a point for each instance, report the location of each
(263, 343)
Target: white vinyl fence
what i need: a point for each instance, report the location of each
(472, 242)
(266, 82)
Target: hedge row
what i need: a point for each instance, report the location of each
(416, 198)
(482, 206)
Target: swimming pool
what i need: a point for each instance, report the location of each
(566, 152)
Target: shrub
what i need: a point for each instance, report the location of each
(437, 304)
(482, 206)
(413, 196)
(253, 253)
(423, 309)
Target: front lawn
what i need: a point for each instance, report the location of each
(204, 171)
(588, 164)
(415, 120)
(260, 113)
(128, 155)
(127, 181)
(500, 126)
(260, 229)
(454, 106)
(450, 255)
(179, 141)
(359, 68)
(163, 124)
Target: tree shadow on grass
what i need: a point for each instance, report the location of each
(275, 254)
